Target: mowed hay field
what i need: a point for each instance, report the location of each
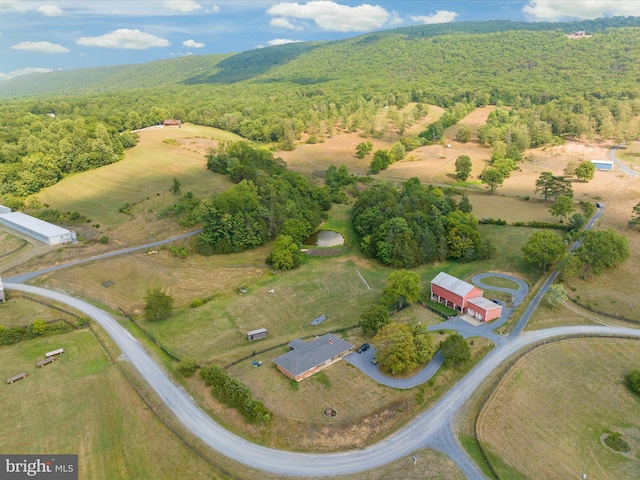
(147, 169)
(81, 404)
(547, 416)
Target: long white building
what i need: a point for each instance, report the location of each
(37, 229)
(1, 291)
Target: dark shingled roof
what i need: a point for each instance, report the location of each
(305, 356)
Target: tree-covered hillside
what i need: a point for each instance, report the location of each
(558, 87)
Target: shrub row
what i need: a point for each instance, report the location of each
(234, 393)
(39, 328)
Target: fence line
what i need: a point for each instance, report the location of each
(169, 353)
(113, 359)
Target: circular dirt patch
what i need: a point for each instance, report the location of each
(330, 412)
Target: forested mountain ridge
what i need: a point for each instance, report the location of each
(558, 87)
(270, 64)
(110, 79)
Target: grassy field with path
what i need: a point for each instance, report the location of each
(547, 417)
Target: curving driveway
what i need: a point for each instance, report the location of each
(425, 431)
(622, 166)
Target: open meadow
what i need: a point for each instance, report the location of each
(547, 418)
(82, 404)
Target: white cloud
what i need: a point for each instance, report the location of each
(184, 6)
(283, 23)
(192, 44)
(50, 10)
(46, 47)
(23, 71)
(125, 38)
(441, 16)
(554, 10)
(333, 16)
(281, 41)
(215, 9)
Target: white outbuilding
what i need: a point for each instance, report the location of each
(37, 229)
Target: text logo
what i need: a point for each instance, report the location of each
(49, 467)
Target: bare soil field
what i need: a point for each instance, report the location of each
(547, 416)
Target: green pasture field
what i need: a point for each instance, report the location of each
(82, 404)
(147, 170)
(18, 311)
(548, 415)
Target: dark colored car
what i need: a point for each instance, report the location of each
(495, 300)
(363, 348)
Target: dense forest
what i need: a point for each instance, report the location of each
(558, 87)
(416, 224)
(266, 200)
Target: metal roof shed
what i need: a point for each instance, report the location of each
(37, 229)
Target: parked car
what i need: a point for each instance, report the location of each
(599, 205)
(363, 348)
(495, 300)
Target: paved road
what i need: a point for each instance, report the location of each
(425, 431)
(23, 277)
(622, 166)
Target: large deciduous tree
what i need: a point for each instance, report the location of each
(492, 178)
(563, 207)
(158, 305)
(553, 187)
(542, 249)
(374, 318)
(463, 167)
(455, 350)
(285, 254)
(396, 351)
(401, 286)
(585, 171)
(602, 249)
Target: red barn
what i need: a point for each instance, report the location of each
(463, 297)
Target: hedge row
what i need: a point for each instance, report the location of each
(234, 393)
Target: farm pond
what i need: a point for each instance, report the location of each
(324, 238)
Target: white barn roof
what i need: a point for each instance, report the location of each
(34, 227)
(452, 284)
(484, 303)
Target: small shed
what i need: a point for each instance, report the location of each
(16, 377)
(172, 122)
(318, 320)
(257, 334)
(605, 165)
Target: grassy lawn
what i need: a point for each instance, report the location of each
(146, 171)
(561, 431)
(82, 404)
(19, 312)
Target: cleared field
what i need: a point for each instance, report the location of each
(82, 404)
(146, 171)
(19, 312)
(313, 160)
(10, 244)
(547, 417)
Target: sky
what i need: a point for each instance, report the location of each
(46, 35)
